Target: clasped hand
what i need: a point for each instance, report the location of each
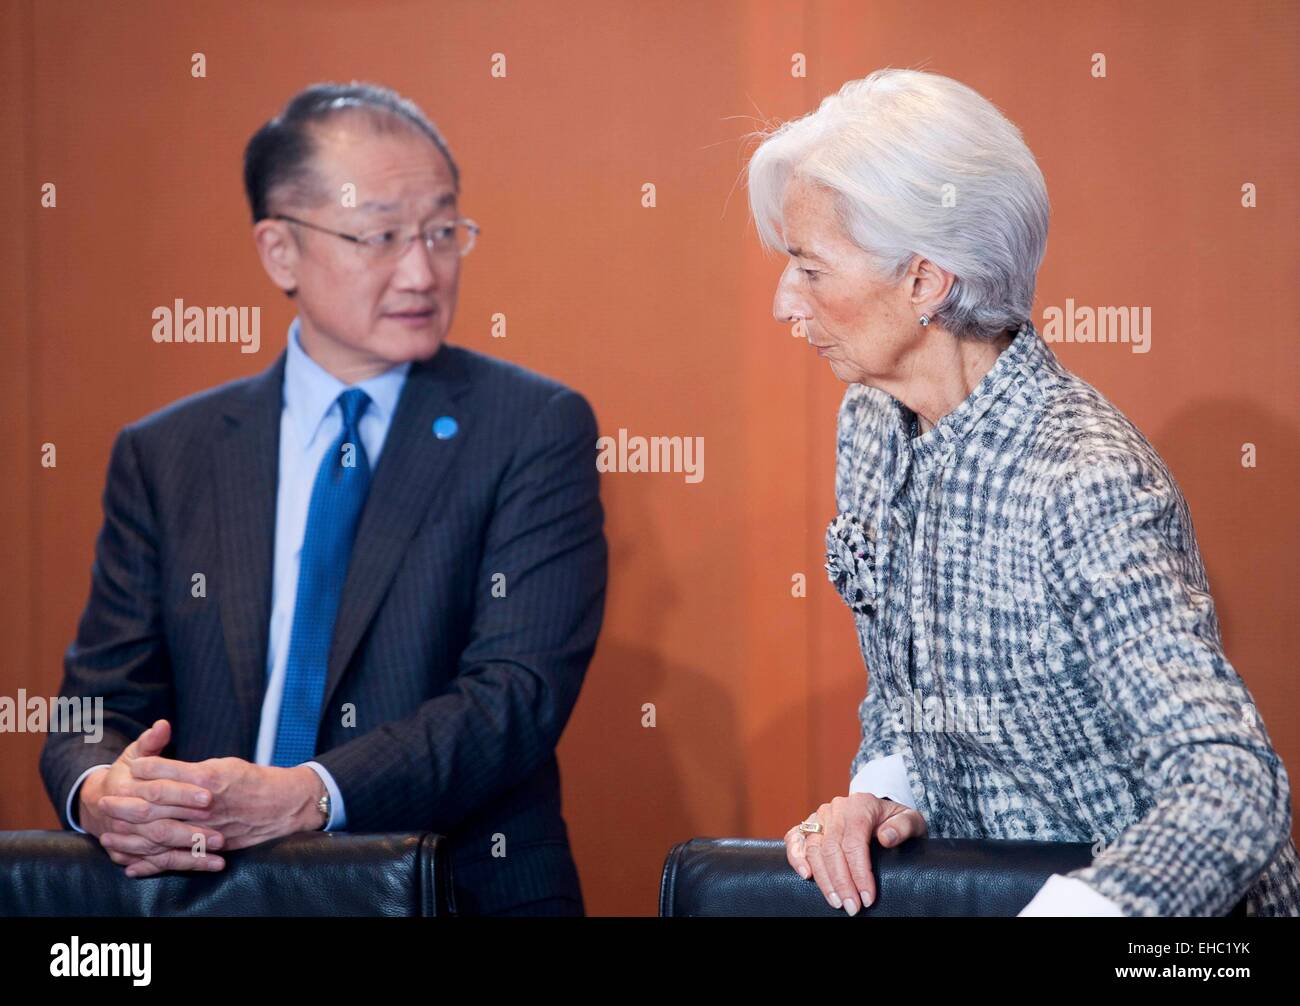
(153, 814)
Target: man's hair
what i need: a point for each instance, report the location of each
(278, 157)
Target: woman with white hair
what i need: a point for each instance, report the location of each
(1008, 541)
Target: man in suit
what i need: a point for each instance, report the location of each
(361, 589)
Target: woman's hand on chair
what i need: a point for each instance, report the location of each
(839, 857)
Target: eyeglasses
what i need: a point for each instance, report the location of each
(448, 237)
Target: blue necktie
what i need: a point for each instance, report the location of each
(336, 502)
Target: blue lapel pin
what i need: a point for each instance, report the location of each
(444, 427)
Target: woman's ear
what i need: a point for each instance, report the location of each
(928, 284)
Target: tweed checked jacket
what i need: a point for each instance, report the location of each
(1043, 649)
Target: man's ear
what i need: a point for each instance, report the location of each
(279, 253)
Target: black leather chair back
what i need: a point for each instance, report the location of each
(60, 873)
(924, 877)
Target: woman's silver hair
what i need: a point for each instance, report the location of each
(921, 165)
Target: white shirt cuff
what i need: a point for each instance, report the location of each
(885, 776)
(72, 795)
(338, 816)
(1062, 896)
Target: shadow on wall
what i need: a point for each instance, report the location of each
(631, 792)
(1243, 517)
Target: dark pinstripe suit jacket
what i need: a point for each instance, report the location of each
(459, 696)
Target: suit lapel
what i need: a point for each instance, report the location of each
(411, 471)
(245, 467)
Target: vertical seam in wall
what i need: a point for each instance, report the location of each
(811, 706)
(29, 326)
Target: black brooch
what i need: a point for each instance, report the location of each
(851, 561)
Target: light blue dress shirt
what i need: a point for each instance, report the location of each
(309, 422)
